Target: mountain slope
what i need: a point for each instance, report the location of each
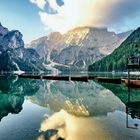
(13, 54)
(117, 60)
(78, 48)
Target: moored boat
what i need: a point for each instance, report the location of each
(132, 83)
(108, 80)
(61, 78)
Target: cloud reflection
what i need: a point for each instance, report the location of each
(71, 127)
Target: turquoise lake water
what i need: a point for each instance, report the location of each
(50, 110)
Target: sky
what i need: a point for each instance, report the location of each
(36, 18)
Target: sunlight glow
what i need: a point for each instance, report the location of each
(76, 13)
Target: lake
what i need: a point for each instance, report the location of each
(55, 110)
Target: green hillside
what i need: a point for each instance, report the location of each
(117, 60)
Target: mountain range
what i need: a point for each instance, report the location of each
(78, 48)
(117, 60)
(74, 50)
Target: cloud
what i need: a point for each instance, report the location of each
(40, 3)
(53, 4)
(94, 13)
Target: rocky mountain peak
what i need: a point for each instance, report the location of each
(55, 39)
(124, 34)
(54, 35)
(3, 31)
(40, 41)
(12, 39)
(15, 57)
(79, 29)
(101, 29)
(87, 29)
(79, 47)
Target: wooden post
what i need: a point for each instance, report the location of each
(128, 84)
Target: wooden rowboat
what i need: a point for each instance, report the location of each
(61, 78)
(133, 83)
(109, 80)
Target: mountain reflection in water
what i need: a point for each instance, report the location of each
(12, 92)
(84, 99)
(131, 99)
(75, 110)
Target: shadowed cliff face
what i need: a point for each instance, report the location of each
(14, 55)
(3, 31)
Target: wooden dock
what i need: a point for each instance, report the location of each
(81, 78)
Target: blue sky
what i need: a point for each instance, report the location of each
(24, 16)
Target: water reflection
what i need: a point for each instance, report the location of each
(76, 110)
(10, 104)
(81, 99)
(133, 109)
(131, 98)
(5, 83)
(106, 119)
(121, 91)
(71, 127)
(12, 92)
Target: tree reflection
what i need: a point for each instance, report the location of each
(12, 92)
(131, 101)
